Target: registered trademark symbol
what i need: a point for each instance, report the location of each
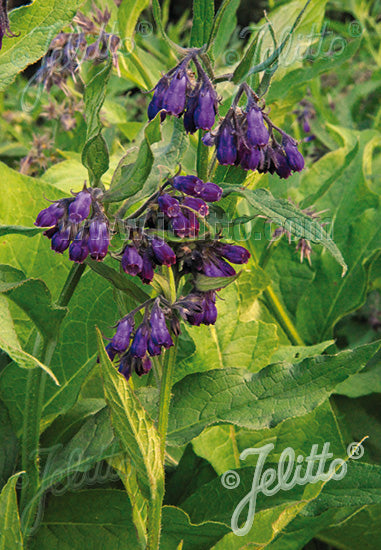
(355, 450)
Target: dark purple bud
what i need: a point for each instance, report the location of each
(156, 103)
(205, 112)
(218, 268)
(210, 310)
(180, 225)
(50, 216)
(162, 252)
(257, 133)
(226, 144)
(132, 262)
(186, 184)
(61, 240)
(234, 253)
(121, 339)
(282, 167)
(143, 366)
(79, 209)
(140, 341)
(294, 157)
(249, 158)
(159, 332)
(189, 123)
(99, 238)
(111, 352)
(208, 140)
(153, 349)
(169, 205)
(147, 272)
(125, 365)
(196, 204)
(78, 250)
(175, 96)
(306, 126)
(210, 192)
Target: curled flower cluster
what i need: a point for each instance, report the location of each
(148, 340)
(177, 94)
(79, 220)
(245, 137)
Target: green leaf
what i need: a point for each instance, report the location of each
(33, 297)
(95, 154)
(37, 23)
(10, 531)
(223, 25)
(131, 177)
(9, 446)
(128, 15)
(19, 230)
(299, 224)
(204, 283)
(229, 343)
(298, 353)
(9, 342)
(92, 518)
(202, 22)
(259, 400)
(135, 429)
(180, 532)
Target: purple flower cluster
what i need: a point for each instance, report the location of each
(175, 95)
(246, 138)
(182, 206)
(69, 221)
(148, 340)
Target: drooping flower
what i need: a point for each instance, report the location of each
(99, 238)
(132, 262)
(79, 209)
(163, 253)
(121, 339)
(79, 250)
(169, 205)
(51, 215)
(159, 331)
(140, 342)
(233, 253)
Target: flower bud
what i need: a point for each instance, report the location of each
(209, 192)
(162, 252)
(99, 238)
(226, 144)
(156, 103)
(132, 262)
(257, 133)
(147, 272)
(205, 112)
(79, 250)
(294, 157)
(159, 332)
(169, 205)
(196, 204)
(121, 339)
(61, 240)
(79, 209)
(50, 216)
(175, 96)
(233, 253)
(186, 184)
(140, 341)
(181, 225)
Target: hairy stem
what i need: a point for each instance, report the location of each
(34, 401)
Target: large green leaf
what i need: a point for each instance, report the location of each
(128, 15)
(135, 429)
(96, 518)
(259, 400)
(37, 23)
(223, 25)
(202, 22)
(10, 531)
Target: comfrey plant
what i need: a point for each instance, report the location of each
(177, 335)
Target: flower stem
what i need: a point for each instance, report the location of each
(165, 396)
(34, 401)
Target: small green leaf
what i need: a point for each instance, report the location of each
(95, 154)
(285, 214)
(131, 177)
(19, 230)
(202, 22)
(10, 531)
(204, 283)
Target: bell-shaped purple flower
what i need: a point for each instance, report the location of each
(79, 250)
(226, 144)
(169, 205)
(180, 225)
(249, 158)
(147, 272)
(282, 167)
(208, 191)
(257, 133)
(121, 339)
(156, 103)
(159, 331)
(99, 238)
(175, 96)
(189, 123)
(140, 341)
(234, 253)
(205, 112)
(51, 215)
(163, 253)
(61, 240)
(132, 262)
(143, 366)
(217, 267)
(126, 365)
(210, 310)
(186, 184)
(196, 204)
(209, 139)
(294, 157)
(111, 352)
(153, 349)
(79, 209)
(193, 224)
